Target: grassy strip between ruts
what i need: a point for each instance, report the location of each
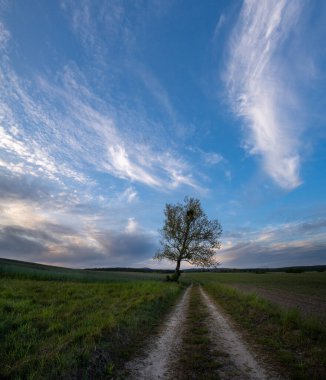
(64, 330)
(198, 357)
(297, 345)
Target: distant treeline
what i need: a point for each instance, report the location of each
(7, 265)
(142, 270)
(294, 269)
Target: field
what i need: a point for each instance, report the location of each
(305, 292)
(60, 323)
(309, 283)
(26, 270)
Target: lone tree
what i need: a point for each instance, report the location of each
(188, 235)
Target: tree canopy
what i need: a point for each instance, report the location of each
(188, 235)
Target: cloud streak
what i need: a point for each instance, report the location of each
(257, 254)
(61, 245)
(89, 126)
(255, 81)
(302, 243)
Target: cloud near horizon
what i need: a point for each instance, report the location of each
(302, 243)
(60, 245)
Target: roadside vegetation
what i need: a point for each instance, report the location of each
(297, 345)
(76, 329)
(307, 283)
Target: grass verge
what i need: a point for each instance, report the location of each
(298, 345)
(65, 330)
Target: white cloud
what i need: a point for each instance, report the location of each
(4, 36)
(20, 213)
(32, 159)
(213, 158)
(62, 128)
(130, 195)
(220, 23)
(123, 167)
(121, 127)
(156, 89)
(132, 226)
(29, 132)
(89, 126)
(114, 136)
(228, 175)
(275, 244)
(256, 81)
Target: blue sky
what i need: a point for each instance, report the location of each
(111, 109)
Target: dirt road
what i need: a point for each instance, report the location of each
(155, 362)
(166, 357)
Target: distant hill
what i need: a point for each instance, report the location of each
(126, 269)
(294, 269)
(25, 266)
(27, 270)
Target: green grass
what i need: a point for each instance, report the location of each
(32, 271)
(297, 345)
(69, 329)
(308, 283)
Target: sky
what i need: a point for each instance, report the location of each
(111, 109)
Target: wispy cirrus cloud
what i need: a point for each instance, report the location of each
(130, 195)
(29, 131)
(213, 158)
(4, 36)
(256, 80)
(53, 127)
(99, 25)
(89, 126)
(116, 136)
(136, 142)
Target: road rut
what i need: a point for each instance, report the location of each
(241, 362)
(236, 361)
(161, 353)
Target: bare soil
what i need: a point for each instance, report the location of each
(164, 356)
(307, 306)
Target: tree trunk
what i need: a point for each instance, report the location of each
(177, 270)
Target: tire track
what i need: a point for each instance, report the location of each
(239, 363)
(161, 354)
(161, 359)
